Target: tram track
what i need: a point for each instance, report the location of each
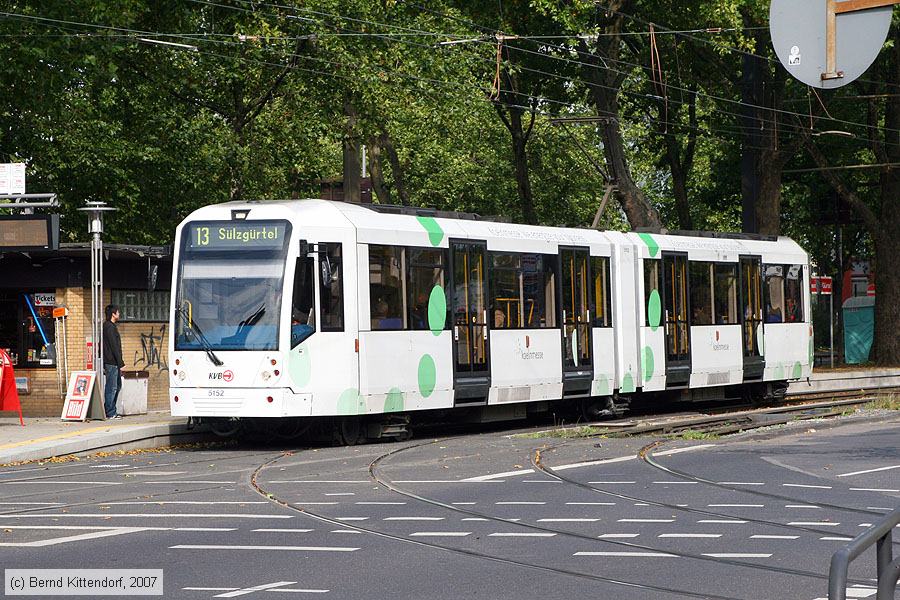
(388, 484)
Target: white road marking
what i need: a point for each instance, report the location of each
(611, 482)
(641, 504)
(300, 591)
(413, 518)
(721, 521)
(210, 481)
(286, 548)
(74, 538)
(614, 536)
(428, 481)
(626, 554)
(741, 483)
(381, 503)
(345, 531)
(148, 516)
(874, 490)
(680, 450)
(564, 520)
(209, 589)
(157, 473)
(482, 478)
(61, 482)
(814, 523)
(105, 467)
(519, 503)
(774, 537)
(646, 520)
(836, 539)
(474, 519)
(255, 588)
(865, 525)
(591, 463)
(352, 519)
(284, 530)
(737, 555)
(193, 502)
(676, 482)
(736, 505)
(440, 534)
(869, 471)
(802, 506)
(590, 503)
(30, 503)
(541, 481)
(341, 494)
(690, 535)
(542, 535)
(463, 503)
(803, 485)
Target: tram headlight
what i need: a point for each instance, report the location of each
(266, 375)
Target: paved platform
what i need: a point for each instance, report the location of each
(46, 437)
(845, 380)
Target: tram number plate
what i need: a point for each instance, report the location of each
(216, 393)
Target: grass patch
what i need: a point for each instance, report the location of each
(692, 434)
(886, 402)
(566, 433)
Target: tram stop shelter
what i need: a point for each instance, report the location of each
(46, 343)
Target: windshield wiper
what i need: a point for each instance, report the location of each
(207, 347)
(252, 320)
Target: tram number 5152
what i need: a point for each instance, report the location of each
(216, 393)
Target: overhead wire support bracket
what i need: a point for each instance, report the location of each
(27, 201)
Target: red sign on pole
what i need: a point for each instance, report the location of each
(9, 395)
(813, 285)
(825, 284)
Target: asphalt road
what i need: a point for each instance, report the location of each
(473, 516)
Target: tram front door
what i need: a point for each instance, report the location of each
(472, 367)
(678, 331)
(752, 317)
(575, 303)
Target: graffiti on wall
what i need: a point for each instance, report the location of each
(150, 354)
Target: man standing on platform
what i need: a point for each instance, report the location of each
(112, 361)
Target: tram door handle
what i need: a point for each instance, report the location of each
(456, 333)
(565, 333)
(485, 325)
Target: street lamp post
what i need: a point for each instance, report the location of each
(95, 210)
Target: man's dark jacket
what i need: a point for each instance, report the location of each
(112, 345)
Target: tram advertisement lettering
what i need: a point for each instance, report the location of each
(263, 235)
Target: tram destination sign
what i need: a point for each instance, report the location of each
(236, 235)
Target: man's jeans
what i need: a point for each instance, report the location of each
(113, 386)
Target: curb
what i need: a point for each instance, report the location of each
(138, 437)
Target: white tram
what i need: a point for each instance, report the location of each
(363, 314)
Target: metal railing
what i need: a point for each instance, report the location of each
(878, 535)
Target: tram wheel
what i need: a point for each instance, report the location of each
(290, 428)
(348, 431)
(227, 427)
(597, 408)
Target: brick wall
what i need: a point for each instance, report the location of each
(144, 347)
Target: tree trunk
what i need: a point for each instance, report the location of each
(604, 86)
(351, 155)
(520, 162)
(387, 145)
(377, 172)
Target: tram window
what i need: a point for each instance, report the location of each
(538, 291)
(600, 273)
(793, 299)
(701, 293)
(303, 314)
(331, 292)
(386, 286)
(426, 272)
(774, 293)
(506, 291)
(725, 289)
(652, 282)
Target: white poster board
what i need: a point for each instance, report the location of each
(78, 396)
(12, 178)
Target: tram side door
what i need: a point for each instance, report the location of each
(676, 311)
(752, 317)
(575, 303)
(472, 367)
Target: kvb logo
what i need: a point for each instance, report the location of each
(225, 376)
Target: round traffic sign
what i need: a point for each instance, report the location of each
(798, 29)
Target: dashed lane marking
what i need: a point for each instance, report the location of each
(522, 534)
(616, 536)
(346, 531)
(567, 520)
(722, 521)
(869, 471)
(810, 506)
(676, 482)
(774, 537)
(352, 519)
(611, 482)
(381, 503)
(804, 485)
(440, 534)
(680, 450)
(284, 530)
(463, 503)
(341, 494)
(836, 539)
(475, 519)
(741, 483)
(282, 548)
(519, 503)
(414, 518)
(737, 555)
(627, 554)
(646, 520)
(736, 505)
(690, 535)
(889, 491)
(156, 473)
(316, 503)
(814, 523)
(590, 503)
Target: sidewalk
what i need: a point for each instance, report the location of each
(45, 437)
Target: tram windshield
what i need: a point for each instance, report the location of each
(230, 285)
